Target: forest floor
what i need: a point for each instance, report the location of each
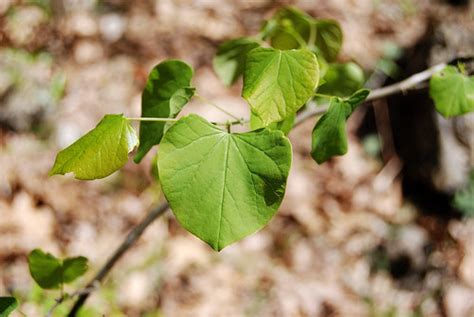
(344, 243)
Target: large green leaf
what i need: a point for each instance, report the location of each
(100, 152)
(328, 38)
(166, 92)
(7, 305)
(222, 186)
(329, 135)
(277, 83)
(45, 269)
(229, 62)
(50, 272)
(452, 92)
(72, 268)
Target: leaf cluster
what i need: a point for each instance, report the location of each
(223, 186)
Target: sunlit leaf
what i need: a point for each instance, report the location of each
(100, 152)
(222, 186)
(277, 83)
(452, 92)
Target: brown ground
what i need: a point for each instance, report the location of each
(344, 243)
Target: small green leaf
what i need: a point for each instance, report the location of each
(278, 83)
(452, 92)
(287, 28)
(328, 38)
(166, 92)
(100, 152)
(50, 272)
(357, 98)
(342, 80)
(464, 198)
(329, 135)
(72, 268)
(45, 269)
(7, 305)
(229, 62)
(284, 126)
(222, 186)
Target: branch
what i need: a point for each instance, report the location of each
(131, 238)
(403, 86)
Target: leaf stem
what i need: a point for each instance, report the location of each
(153, 119)
(322, 96)
(217, 107)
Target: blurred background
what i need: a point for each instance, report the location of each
(386, 230)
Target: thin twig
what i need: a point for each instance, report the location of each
(131, 238)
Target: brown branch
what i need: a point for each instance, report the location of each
(411, 83)
(131, 238)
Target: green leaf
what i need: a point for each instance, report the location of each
(329, 135)
(50, 272)
(7, 305)
(221, 186)
(166, 92)
(278, 83)
(45, 269)
(287, 28)
(229, 62)
(452, 92)
(72, 268)
(328, 38)
(464, 198)
(100, 152)
(342, 80)
(284, 126)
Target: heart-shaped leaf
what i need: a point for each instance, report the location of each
(277, 83)
(50, 272)
(100, 152)
(166, 92)
(329, 135)
(452, 92)
(7, 305)
(222, 186)
(229, 62)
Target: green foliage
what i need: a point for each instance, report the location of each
(166, 92)
(452, 92)
(329, 135)
(342, 80)
(464, 198)
(277, 83)
(229, 62)
(328, 38)
(222, 186)
(291, 28)
(100, 152)
(7, 305)
(50, 272)
(285, 125)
